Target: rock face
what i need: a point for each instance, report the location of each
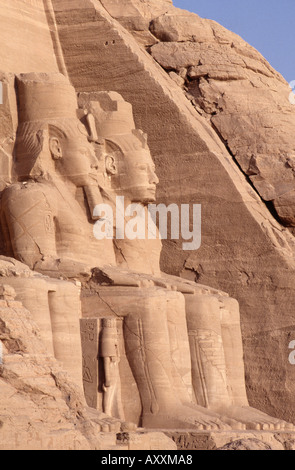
(246, 100)
(181, 342)
(22, 16)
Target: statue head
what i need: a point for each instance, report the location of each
(127, 159)
(51, 138)
(130, 167)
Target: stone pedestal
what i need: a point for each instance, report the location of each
(232, 440)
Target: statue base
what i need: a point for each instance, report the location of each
(232, 440)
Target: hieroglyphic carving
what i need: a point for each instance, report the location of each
(89, 339)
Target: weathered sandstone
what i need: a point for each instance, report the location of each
(219, 124)
(245, 251)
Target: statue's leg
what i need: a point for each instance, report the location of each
(33, 293)
(112, 404)
(207, 351)
(55, 307)
(148, 346)
(233, 348)
(65, 313)
(179, 346)
(148, 349)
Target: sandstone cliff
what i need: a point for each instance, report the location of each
(246, 250)
(220, 131)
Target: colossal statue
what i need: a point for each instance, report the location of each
(183, 340)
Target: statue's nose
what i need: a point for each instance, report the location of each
(93, 161)
(153, 178)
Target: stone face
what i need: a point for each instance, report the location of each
(159, 313)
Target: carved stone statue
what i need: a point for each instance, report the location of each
(182, 340)
(212, 317)
(110, 353)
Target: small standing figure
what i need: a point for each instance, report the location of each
(112, 402)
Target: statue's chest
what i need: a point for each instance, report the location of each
(72, 216)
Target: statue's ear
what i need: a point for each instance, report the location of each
(55, 148)
(111, 167)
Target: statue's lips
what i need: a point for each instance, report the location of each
(152, 188)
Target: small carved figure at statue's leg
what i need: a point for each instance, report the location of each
(109, 351)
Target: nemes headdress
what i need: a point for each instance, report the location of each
(47, 99)
(44, 96)
(113, 119)
(47, 103)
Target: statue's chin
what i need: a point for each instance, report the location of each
(145, 201)
(145, 197)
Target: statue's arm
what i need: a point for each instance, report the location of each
(29, 218)
(29, 215)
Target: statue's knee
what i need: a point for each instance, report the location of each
(29, 290)
(202, 311)
(153, 308)
(175, 308)
(232, 309)
(147, 319)
(65, 291)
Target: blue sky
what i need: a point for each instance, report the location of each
(268, 25)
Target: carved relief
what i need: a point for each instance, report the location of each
(182, 340)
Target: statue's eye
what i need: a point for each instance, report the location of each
(142, 167)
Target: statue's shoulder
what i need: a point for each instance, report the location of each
(24, 192)
(28, 186)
